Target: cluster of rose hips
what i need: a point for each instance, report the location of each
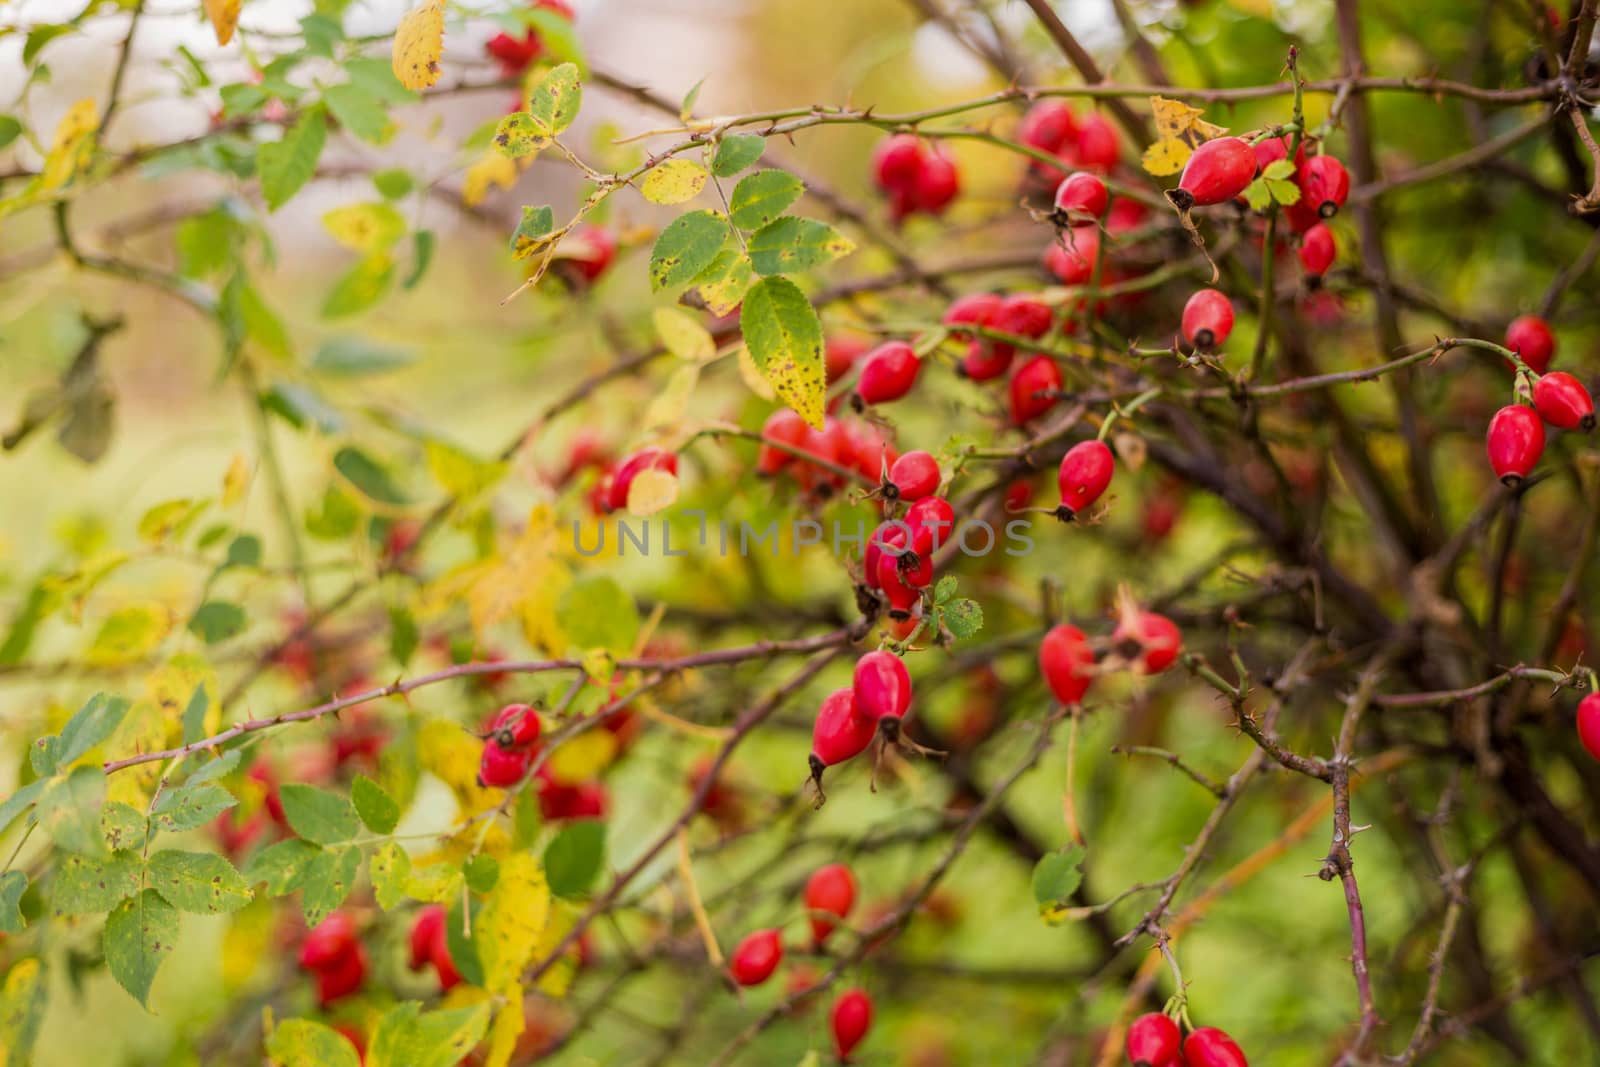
(1089, 141)
(511, 744)
(840, 443)
(830, 894)
(1145, 641)
(917, 177)
(1154, 1040)
(1515, 441)
(334, 954)
(874, 705)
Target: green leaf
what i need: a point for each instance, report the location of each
(282, 866)
(201, 882)
(394, 183)
(170, 519)
(407, 1038)
(244, 551)
(554, 102)
(596, 612)
(305, 1043)
(572, 861)
(190, 805)
(12, 885)
(963, 617)
(389, 868)
(371, 226)
(361, 287)
(328, 879)
(763, 196)
(84, 886)
(1056, 876)
(363, 472)
(735, 152)
(793, 244)
(784, 336)
(10, 130)
(129, 634)
(422, 254)
(336, 519)
(288, 164)
(69, 811)
(686, 247)
(318, 815)
(20, 801)
(217, 620)
(481, 872)
(42, 755)
(139, 934)
(673, 182)
(1278, 170)
(404, 636)
(686, 109)
(376, 807)
(530, 234)
(356, 357)
(124, 826)
(518, 135)
(945, 589)
(90, 725)
(463, 951)
(209, 769)
(301, 406)
(359, 112)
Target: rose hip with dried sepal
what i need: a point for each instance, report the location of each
(1217, 172)
(839, 734)
(913, 476)
(1207, 319)
(1084, 474)
(852, 1018)
(1563, 402)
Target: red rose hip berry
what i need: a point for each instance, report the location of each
(756, 957)
(912, 477)
(500, 769)
(881, 687)
(1218, 171)
(838, 735)
(832, 890)
(515, 727)
(887, 373)
(1210, 1047)
(1207, 319)
(1084, 475)
(1034, 389)
(1563, 402)
(1531, 338)
(1318, 250)
(1081, 197)
(1324, 185)
(852, 1018)
(1515, 442)
(1067, 663)
(1153, 1041)
(1589, 724)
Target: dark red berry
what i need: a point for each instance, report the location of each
(1067, 663)
(891, 534)
(592, 249)
(1048, 126)
(1081, 196)
(1530, 337)
(1210, 1047)
(881, 687)
(1318, 250)
(986, 360)
(830, 889)
(343, 977)
(1563, 402)
(498, 768)
(913, 476)
(1218, 171)
(887, 373)
(901, 584)
(429, 922)
(1207, 319)
(1324, 185)
(1034, 389)
(1153, 1041)
(756, 957)
(1023, 315)
(897, 162)
(1085, 472)
(852, 1018)
(1589, 724)
(1515, 442)
(516, 726)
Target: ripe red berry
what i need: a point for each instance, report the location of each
(1023, 315)
(562, 800)
(1048, 126)
(892, 534)
(429, 923)
(932, 521)
(830, 889)
(868, 451)
(328, 942)
(881, 687)
(986, 360)
(1067, 663)
(1097, 145)
(1515, 442)
(499, 769)
(839, 734)
(841, 353)
(888, 373)
(1085, 472)
(1324, 185)
(1151, 641)
(1273, 149)
(912, 477)
(1210, 1047)
(1531, 338)
(852, 1018)
(786, 427)
(1207, 319)
(897, 162)
(756, 957)
(937, 184)
(1034, 389)
(516, 726)
(1153, 1041)
(343, 977)
(1218, 171)
(1081, 196)
(975, 309)
(592, 249)
(1589, 723)
(642, 460)
(1563, 402)
(902, 580)
(1318, 250)
(1073, 262)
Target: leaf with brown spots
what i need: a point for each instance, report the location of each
(418, 45)
(139, 934)
(784, 336)
(83, 886)
(201, 882)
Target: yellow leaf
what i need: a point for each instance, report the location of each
(418, 44)
(669, 405)
(74, 138)
(129, 634)
(673, 182)
(524, 583)
(1166, 156)
(581, 757)
(171, 686)
(247, 943)
(369, 227)
(224, 16)
(1173, 118)
(683, 335)
(236, 482)
(490, 172)
(651, 491)
(21, 1002)
(753, 379)
(143, 729)
(509, 1022)
(512, 923)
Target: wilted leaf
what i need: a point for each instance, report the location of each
(418, 45)
(367, 227)
(651, 491)
(1166, 156)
